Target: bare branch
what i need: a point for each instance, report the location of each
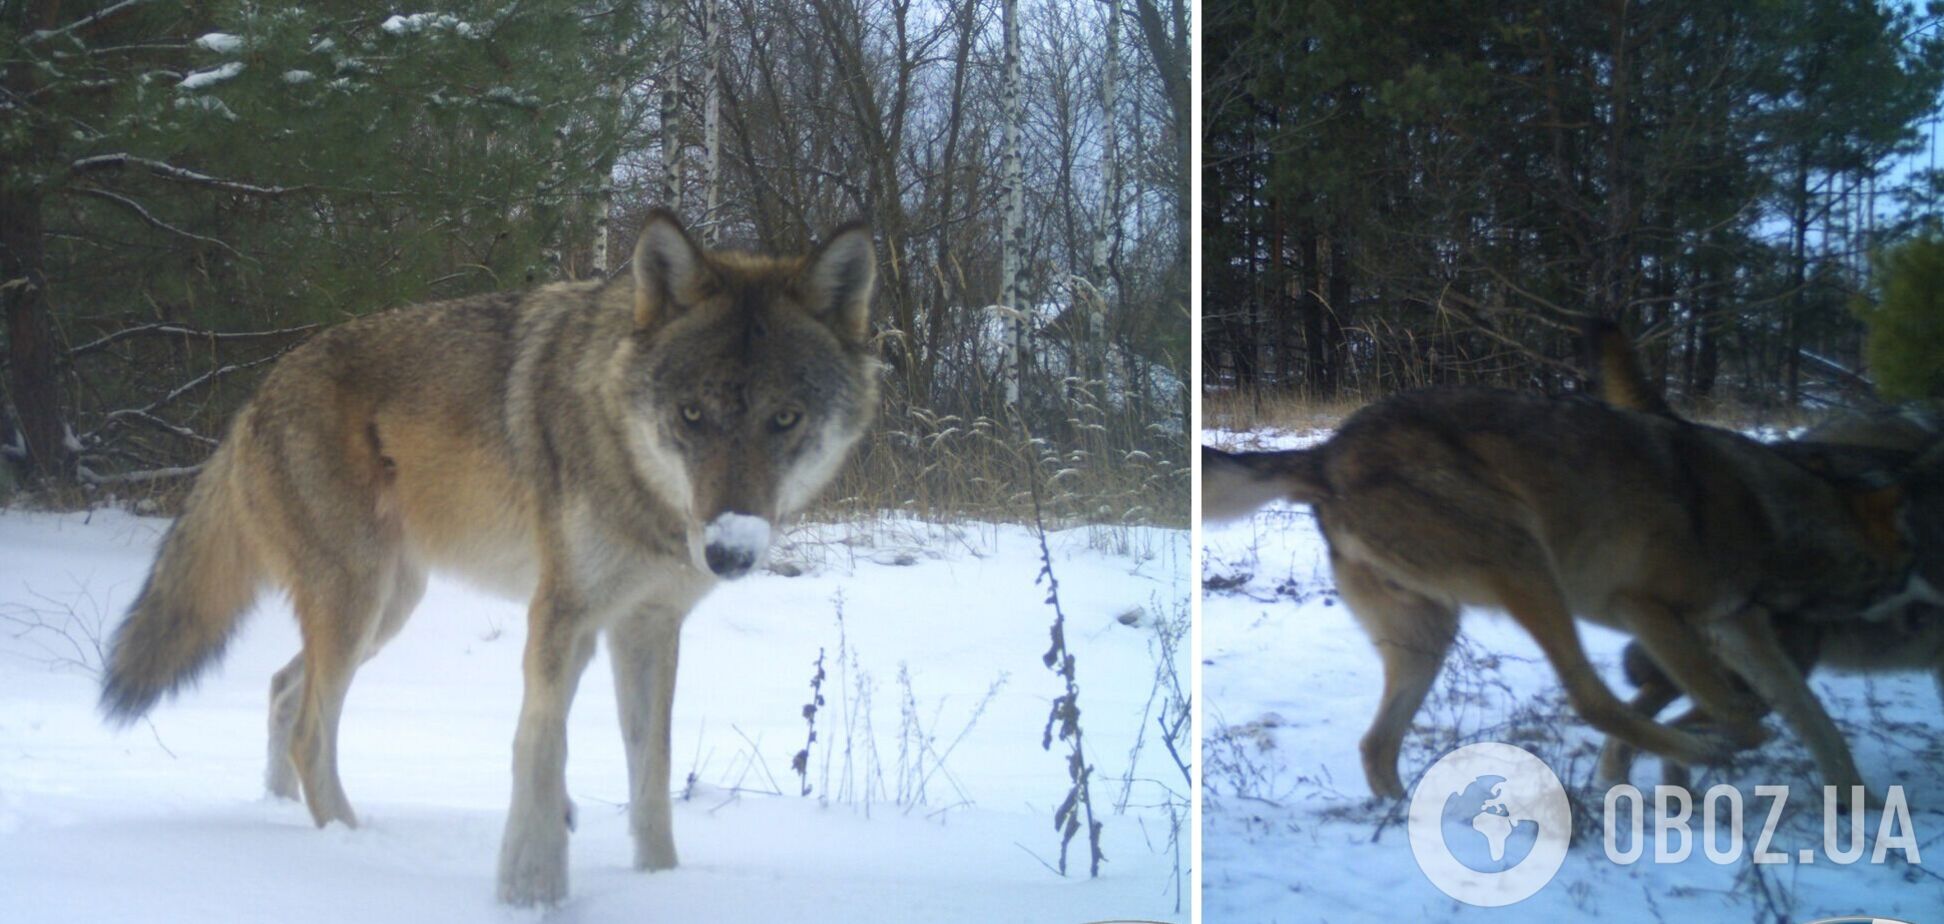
(170, 330)
(83, 22)
(156, 474)
(173, 172)
(151, 220)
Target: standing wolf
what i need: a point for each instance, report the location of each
(606, 450)
(1682, 535)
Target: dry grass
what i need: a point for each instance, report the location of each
(1096, 465)
(1280, 410)
(1228, 409)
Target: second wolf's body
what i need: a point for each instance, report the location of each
(605, 451)
(1903, 445)
(1683, 536)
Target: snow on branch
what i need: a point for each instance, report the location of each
(173, 172)
(88, 475)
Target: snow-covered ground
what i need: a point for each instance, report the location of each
(169, 823)
(1289, 832)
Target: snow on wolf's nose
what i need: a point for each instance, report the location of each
(734, 543)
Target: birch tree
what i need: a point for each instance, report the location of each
(1013, 232)
(711, 122)
(1107, 226)
(671, 103)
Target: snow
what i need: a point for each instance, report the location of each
(295, 76)
(741, 536)
(212, 76)
(220, 42)
(1290, 833)
(169, 823)
(426, 22)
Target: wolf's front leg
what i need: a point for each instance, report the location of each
(643, 648)
(533, 855)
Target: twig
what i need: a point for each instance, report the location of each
(166, 329)
(155, 474)
(81, 23)
(149, 219)
(180, 174)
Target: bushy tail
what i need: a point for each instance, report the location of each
(1616, 368)
(204, 579)
(1235, 484)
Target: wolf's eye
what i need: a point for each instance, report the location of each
(784, 420)
(692, 413)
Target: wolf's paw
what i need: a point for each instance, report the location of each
(655, 853)
(280, 776)
(533, 867)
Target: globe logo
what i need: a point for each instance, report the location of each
(1486, 831)
(1489, 824)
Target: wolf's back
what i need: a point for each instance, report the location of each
(203, 580)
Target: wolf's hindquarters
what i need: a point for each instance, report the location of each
(204, 579)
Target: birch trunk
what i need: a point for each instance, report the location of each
(1107, 226)
(711, 122)
(670, 12)
(1012, 240)
(604, 192)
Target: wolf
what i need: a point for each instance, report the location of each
(1682, 535)
(1903, 445)
(606, 451)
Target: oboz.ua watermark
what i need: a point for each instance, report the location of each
(1490, 823)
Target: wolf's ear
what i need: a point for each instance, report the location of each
(837, 281)
(669, 270)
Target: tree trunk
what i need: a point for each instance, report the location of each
(1107, 226)
(604, 176)
(671, 105)
(711, 122)
(30, 337)
(31, 377)
(1012, 236)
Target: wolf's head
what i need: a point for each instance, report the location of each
(749, 380)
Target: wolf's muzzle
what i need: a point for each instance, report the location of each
(734, 544)
(728, 562)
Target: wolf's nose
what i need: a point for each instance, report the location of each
(729, 561)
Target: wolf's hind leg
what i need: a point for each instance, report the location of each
(286, 698)
(644, 649)
(287, 686)
(338, 610)
(1412, 634)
